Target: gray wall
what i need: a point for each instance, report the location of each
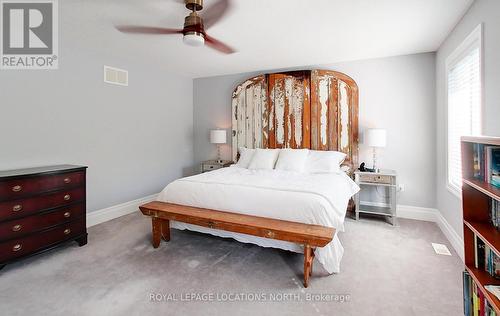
(134, 139)
(487, 12)
(396, 93)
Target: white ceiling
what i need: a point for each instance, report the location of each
(269, 34)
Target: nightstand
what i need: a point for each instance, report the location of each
(210, 165)
(386, 179)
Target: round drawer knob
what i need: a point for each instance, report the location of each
(17, 247)
(67, 180)
(67, 231)
(67, 214)
(17, 227)
(17, 207)
(17, 188)
(67, 197)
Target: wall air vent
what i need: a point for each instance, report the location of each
(115, 76)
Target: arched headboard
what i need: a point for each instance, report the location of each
(315, 109)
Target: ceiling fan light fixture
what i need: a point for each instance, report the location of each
(193, 39)
(193, 30)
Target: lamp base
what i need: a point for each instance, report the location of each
(375, 168)
(218, 160)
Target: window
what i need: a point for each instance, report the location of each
(463, 68)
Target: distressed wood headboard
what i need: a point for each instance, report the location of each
(315, 109)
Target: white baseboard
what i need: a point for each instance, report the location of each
(417, 212)
(410, 212)
(456, 241)
(429, 215)
(115, 211)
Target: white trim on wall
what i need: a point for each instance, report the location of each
(115, 211)
(458, 53)
(418, 213)
(455, 240)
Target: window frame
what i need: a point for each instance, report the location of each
(461, 51)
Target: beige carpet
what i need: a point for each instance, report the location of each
(385, 271)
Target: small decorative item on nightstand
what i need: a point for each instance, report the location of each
(384, 178)
(210, 165)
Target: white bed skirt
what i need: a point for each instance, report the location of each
(335, 248)
(319, 199)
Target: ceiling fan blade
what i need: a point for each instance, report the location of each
(218, 45)
(214, 13)
(146, 29)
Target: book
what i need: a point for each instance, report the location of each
(496, 210)
(481, 302)
(492, 165)
(467, 303)
(478, 156)
(495, 180)
(491, 262)
(475, 300)
(488, 259)
(494, 170)
(496, 266)
(495, 213)
(487, 308)
(494, 289)
(480, 253)
(477, 160)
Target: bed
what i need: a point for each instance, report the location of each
(306, 198)
(313, 109)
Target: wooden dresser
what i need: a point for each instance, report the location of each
(40, 208)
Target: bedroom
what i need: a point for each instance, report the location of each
(134, 118)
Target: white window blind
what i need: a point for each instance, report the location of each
(464, 102)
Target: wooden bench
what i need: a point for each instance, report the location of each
(311, 236)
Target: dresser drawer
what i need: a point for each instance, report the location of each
(18, 247)
(27, 206)
(18, 188)
(375, 178)
(20, 227)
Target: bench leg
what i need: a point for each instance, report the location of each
(308, 263)
(161, 230)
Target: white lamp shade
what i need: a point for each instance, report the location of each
(218, 136)
(375, 137)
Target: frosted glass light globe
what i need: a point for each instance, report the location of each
(194, 39)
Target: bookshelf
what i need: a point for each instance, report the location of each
(477, 196)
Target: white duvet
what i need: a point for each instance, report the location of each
(307, 198)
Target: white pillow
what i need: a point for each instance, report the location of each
(292, 159)
(246, 155)
(322, 161)
(264, 158)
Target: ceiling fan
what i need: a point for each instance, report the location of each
(194, 33)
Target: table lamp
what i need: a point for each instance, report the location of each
(375, 138)
(218, 136)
